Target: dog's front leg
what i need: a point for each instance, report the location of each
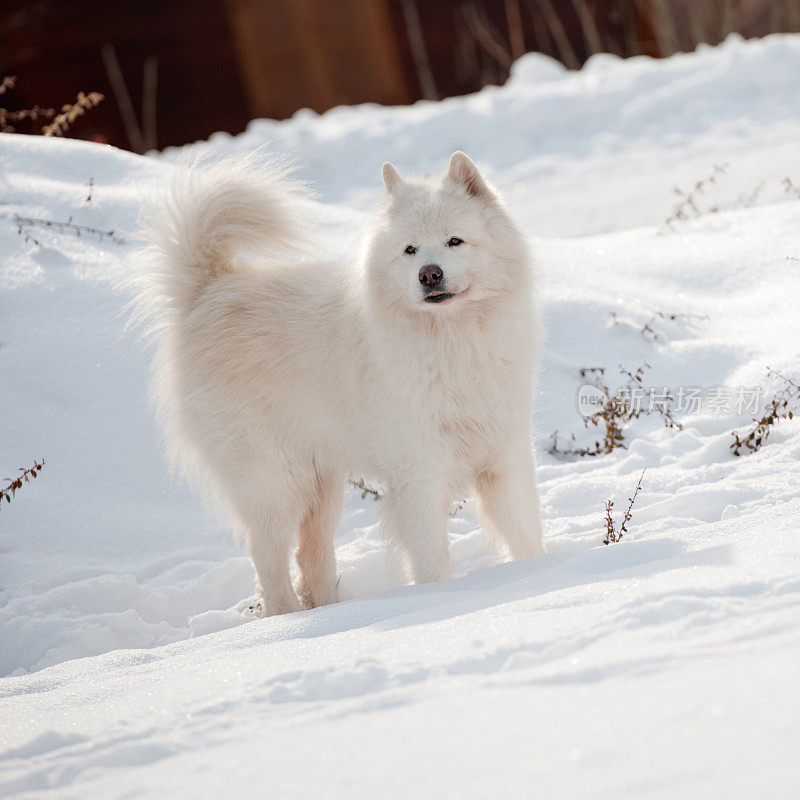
(415, 516)
(509, 505)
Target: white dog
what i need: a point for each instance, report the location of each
(278, 378)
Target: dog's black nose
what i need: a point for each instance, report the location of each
(431, 275)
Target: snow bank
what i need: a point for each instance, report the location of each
(666, 663)
(581, 149)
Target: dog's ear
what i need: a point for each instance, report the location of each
(391, 177)
(462, 170)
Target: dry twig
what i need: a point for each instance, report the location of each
(8, 491)
(781, 406)
(71, 111)
(9, 119)
(687, 207)
(362, 487)
(24, 224)
(790, 187)
(649, 333)
(612, 534)
(617, 412)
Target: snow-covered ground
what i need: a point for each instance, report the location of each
(665, 664)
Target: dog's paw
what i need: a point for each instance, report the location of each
(254, 609)
(313, 597)
(264, 607)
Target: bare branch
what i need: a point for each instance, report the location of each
(12, 484)
(71, 112)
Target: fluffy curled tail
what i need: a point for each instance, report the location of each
(206, 216)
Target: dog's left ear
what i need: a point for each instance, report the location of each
(462, 170)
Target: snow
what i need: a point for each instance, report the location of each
(664, 664)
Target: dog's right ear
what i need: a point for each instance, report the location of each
(391, 177)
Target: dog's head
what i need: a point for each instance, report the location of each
(444, 245)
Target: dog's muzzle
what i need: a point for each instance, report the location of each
(431, 276)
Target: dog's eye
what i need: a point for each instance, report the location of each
(410, 250)
(454, 241)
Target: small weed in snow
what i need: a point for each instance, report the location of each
(616, 412)
(790, 187)
(10, 489)
(649, 332)
(688, 207)
(612, 534)
(25, 224)
(781, 406)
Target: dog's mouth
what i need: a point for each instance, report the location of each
(442, 297)
(438, 297)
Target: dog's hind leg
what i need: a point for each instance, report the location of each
(270, 520)
(315, 555)
(269, 547)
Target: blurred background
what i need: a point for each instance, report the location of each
(177, 71)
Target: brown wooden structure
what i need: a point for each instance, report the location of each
(193, 67)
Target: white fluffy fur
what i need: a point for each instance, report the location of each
(278, 378)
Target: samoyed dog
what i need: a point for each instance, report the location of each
(279, 376)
